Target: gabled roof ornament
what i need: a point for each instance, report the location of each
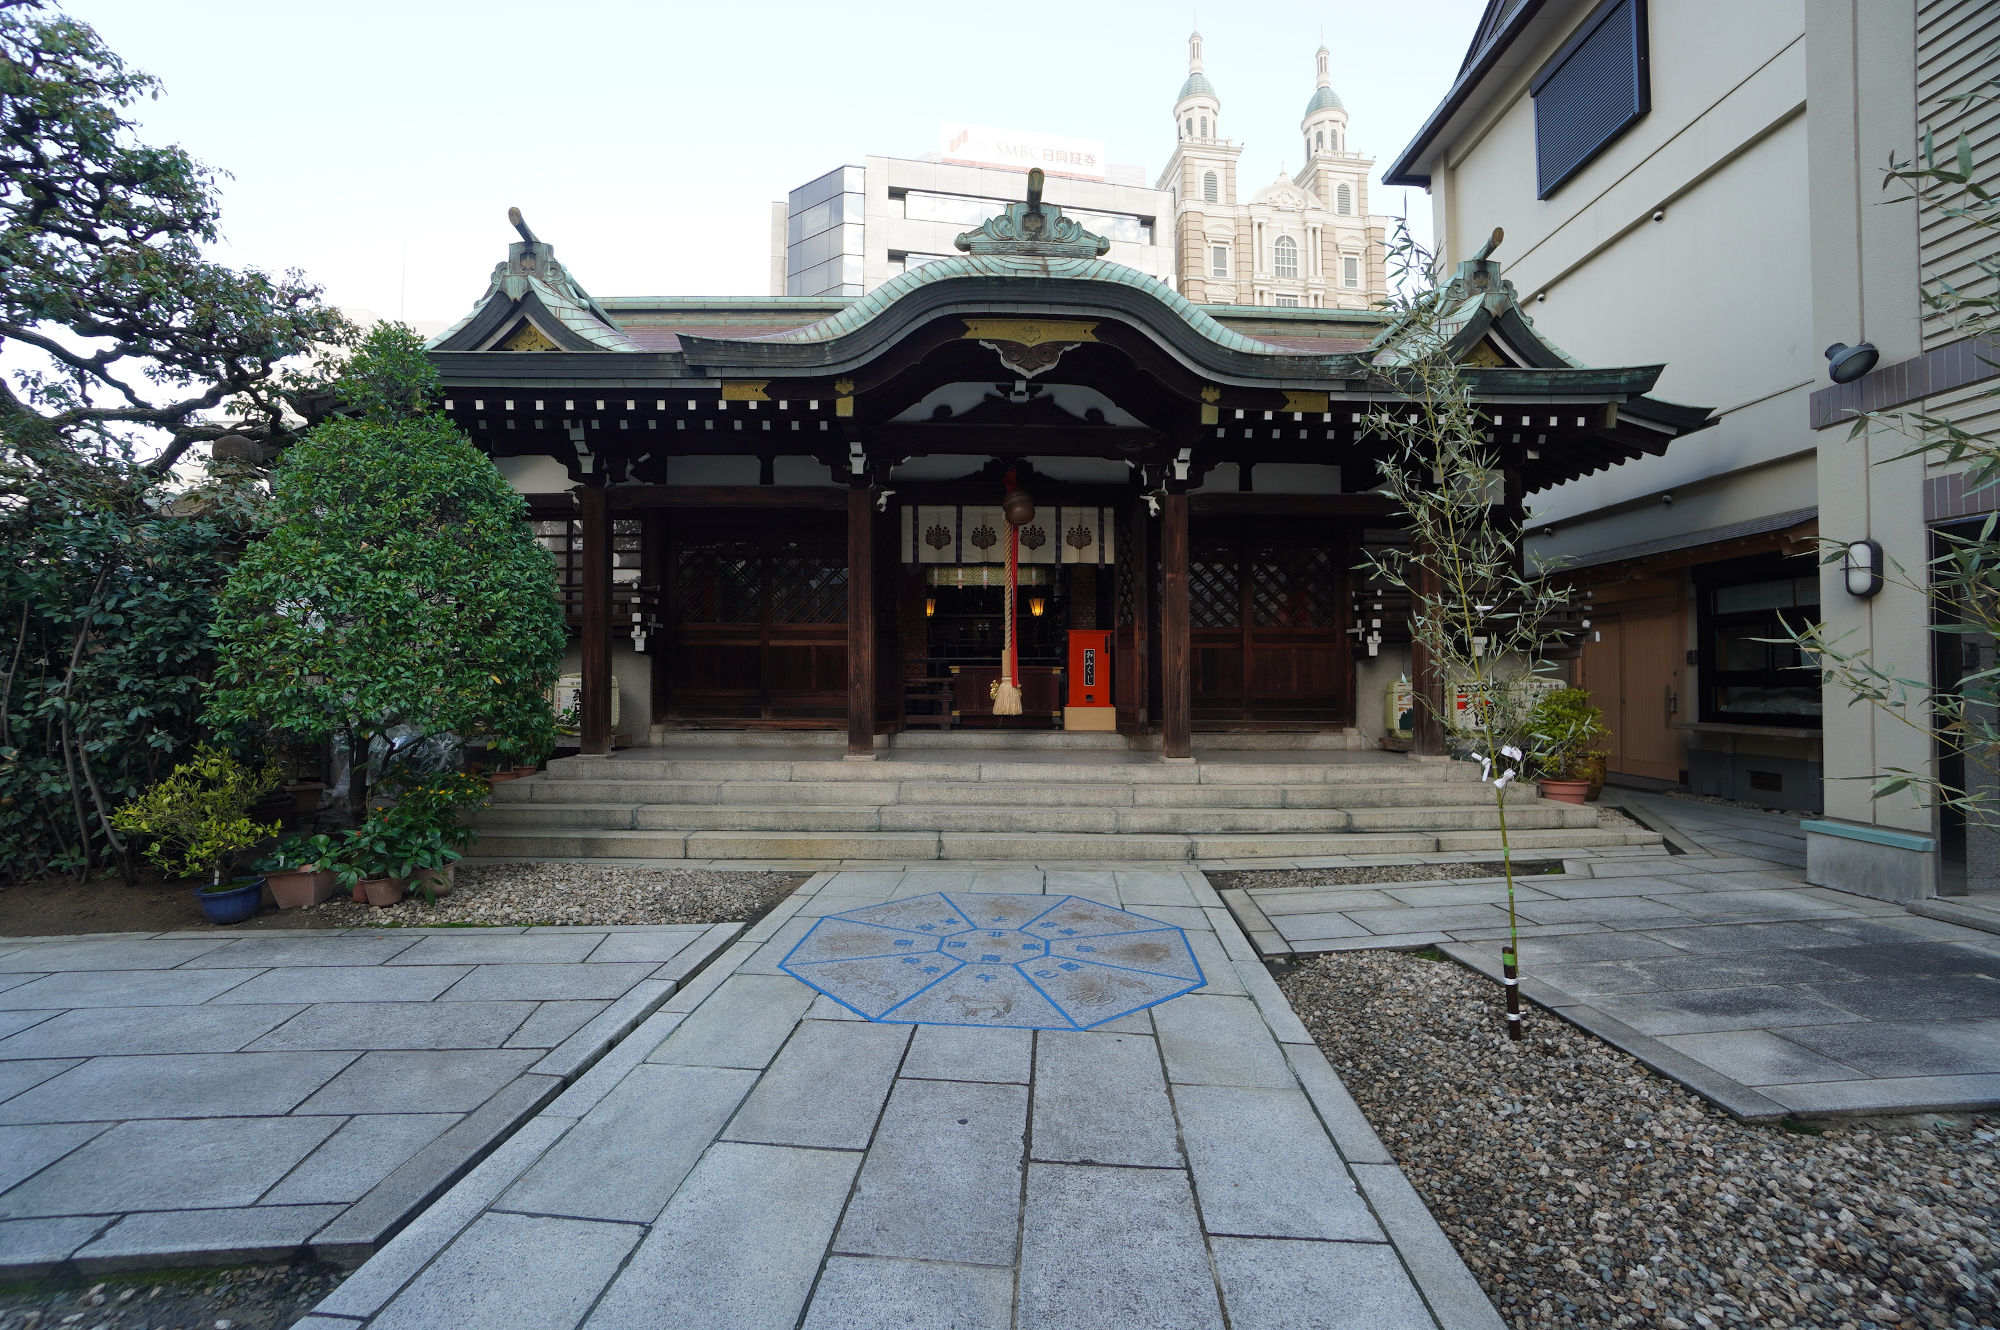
(1479, 274)
(533, 257)
(1033, 230)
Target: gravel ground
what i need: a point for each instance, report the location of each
(512, 895)
(257, 1297)
(1259, 878)
(1582, 1189)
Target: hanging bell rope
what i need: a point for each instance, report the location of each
(1020, 510)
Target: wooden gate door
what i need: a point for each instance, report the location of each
(1268, 610)
(1635, 673)
(1601, 672)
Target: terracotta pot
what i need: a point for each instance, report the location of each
(381, 892)
(1564, 791)
(495, 777)
(524, 771)
(306, 795)
(301, 887)
(439, 880)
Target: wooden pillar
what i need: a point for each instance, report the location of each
(860, 623)
(1176, 717)
(1426, 682)
(595, 720)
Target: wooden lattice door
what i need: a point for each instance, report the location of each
(1267, 611)
(757, 620)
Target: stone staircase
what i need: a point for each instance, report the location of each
(974, 798)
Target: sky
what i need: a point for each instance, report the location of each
(377, 146)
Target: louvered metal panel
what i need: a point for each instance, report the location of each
(1958, 48)
(1594, 88)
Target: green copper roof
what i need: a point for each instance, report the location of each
(1197, 85)
(1325, 99)
(996, 265)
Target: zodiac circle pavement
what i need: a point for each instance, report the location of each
(995, 959)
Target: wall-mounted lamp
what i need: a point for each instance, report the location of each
(1861, 566)
(1845, 364)
(930, 607)
(1036, 605)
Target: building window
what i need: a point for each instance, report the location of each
(1319, 139)
(1594, 89)
(1350, 271)
(1208, 186)
(1288, 302)
(1204, 126)
(1190, 131)
(1218, 256)
(1285, 257)
(1343, 200)
(1747, 677)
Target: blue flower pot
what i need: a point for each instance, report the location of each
(234, 903)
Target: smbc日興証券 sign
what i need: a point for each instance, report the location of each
(977, 145)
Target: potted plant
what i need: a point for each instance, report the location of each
(366, 862)
(299, 870)
(198, 823)
(1569, 738)
(428, 833)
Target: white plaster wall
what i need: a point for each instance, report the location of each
(534, 475)
(634, 673)
(1372, 677)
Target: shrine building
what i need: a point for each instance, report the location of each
(786, 513)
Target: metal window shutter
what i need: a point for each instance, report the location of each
(1590, 97)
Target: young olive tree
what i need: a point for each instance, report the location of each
(1482, 615)
(397, 586)
(1961, 579)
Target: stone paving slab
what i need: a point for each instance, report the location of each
(775, 1160)
(208, 1097)
(1723, 970)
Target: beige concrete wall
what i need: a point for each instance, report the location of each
(1862, 71)
(1717, 288)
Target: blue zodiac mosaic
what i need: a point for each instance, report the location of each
(976, 958)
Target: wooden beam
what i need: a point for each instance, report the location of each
(595, 720)
(1176, 709)
(1294, 505)
(625, 497)
(860, 622)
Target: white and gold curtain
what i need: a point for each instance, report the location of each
(977, 533)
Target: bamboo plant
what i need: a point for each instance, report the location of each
(1485, 616)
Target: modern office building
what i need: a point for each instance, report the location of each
(856, 227)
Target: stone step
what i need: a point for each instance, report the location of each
(1345, 794)
(1057, 847)
(1024, 819)
(1026, 769)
